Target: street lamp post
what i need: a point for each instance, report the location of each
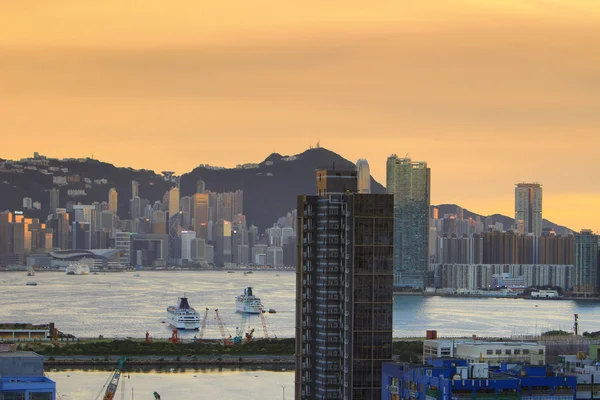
(283, 387)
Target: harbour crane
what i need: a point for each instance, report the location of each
(226, 340)
(114, 381)
(203, 328)
(174, 336)
(241, 332)
(264, 322)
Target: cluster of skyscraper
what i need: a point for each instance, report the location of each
(526, 253)
(205, 228)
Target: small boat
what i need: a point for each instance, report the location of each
(231, 272)
(272, 311)
(277, 275)
(30, 271)
(31, 283)
(249, 272)
(136, 275)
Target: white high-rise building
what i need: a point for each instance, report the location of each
(528, 207)
(364, 176)
(187, 238)
(27, 203)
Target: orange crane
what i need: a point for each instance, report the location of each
(264, 322)
(226, 340)
(174, 336)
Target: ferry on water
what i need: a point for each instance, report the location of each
(248, 303)
(183, 316)
(77, 269)
(546, 294)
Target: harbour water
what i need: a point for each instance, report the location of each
(123, 305)
(189, 385)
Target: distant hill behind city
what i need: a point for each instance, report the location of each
(507, 222)
(270, 187)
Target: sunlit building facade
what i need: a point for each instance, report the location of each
(528, 207)
(201, 213)
(364, 176)
(112, 200)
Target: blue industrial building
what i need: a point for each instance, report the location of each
(22, 377)
(454, 379)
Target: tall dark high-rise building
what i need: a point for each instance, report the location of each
(60, 226)
(135, 189)
(54, 199)
(81, 235)
(187, 212)
(344, 283)
(223, 243)
(587, 274)
(5, 229)
(200, 186)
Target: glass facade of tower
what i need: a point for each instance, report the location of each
(528, 207)
(344, 298)
(364, 176)
(587, 276)
(409, 182)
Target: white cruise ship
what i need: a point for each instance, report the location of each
(77, 269)
(248, 303)
(183, 316)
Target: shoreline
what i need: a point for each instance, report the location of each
(481, 296)
(157, 269)
(188, 361)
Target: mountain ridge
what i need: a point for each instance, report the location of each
(270, 187)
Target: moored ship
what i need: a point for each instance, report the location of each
(77, 269)
(183, 316)
(248, 303)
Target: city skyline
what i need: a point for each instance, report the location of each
(488, 92)
(361, 165)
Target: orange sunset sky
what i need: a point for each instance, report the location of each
(488, 92)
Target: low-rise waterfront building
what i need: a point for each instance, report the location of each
(493, 353)
(448, 378)
(22, 377)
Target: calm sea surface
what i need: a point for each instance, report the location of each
(122, 305)
(201, 384)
